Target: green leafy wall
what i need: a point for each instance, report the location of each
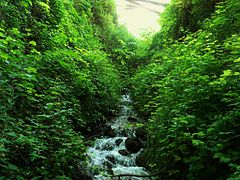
(190, 92)
(56, 84)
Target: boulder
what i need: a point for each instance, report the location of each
(111, 133)
(111, 159)
(141, 134)
(108, 131)
(133, 145)
(107, 164)
(123, 152)
(118, 142)
(110, 171)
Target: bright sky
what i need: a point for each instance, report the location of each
(140, 15)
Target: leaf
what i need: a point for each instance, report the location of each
(12, 167)
(33, 43)
(227, 73)
(197, 142)
(200, 134)
(31, 70)
(12, 134)
(222, 157)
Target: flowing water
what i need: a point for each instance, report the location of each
(104, 159)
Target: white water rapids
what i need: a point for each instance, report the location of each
(104, 159)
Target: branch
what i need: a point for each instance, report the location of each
(29, 164)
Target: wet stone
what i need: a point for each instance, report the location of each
(118, 142)
(133, 145)
(108, 131)
(111, 133)
(111, 158)
(110, 171)
(108, 164)
(123, 152)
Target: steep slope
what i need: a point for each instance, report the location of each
(190, 93)
(56, 84)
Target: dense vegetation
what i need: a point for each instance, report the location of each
(63, 65)
(190, 91)
(56, 83)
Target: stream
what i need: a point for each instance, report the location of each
(109, 155)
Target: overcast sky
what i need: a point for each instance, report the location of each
(140, 15)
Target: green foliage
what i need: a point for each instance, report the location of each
(124, 50)
(56, 84)
(190, 92)
(182, 17)
(104, 14)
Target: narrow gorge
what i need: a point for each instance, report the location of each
(113, 156)
(65, 68)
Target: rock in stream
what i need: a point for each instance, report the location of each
(114, 155)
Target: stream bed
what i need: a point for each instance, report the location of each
(109, 156)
